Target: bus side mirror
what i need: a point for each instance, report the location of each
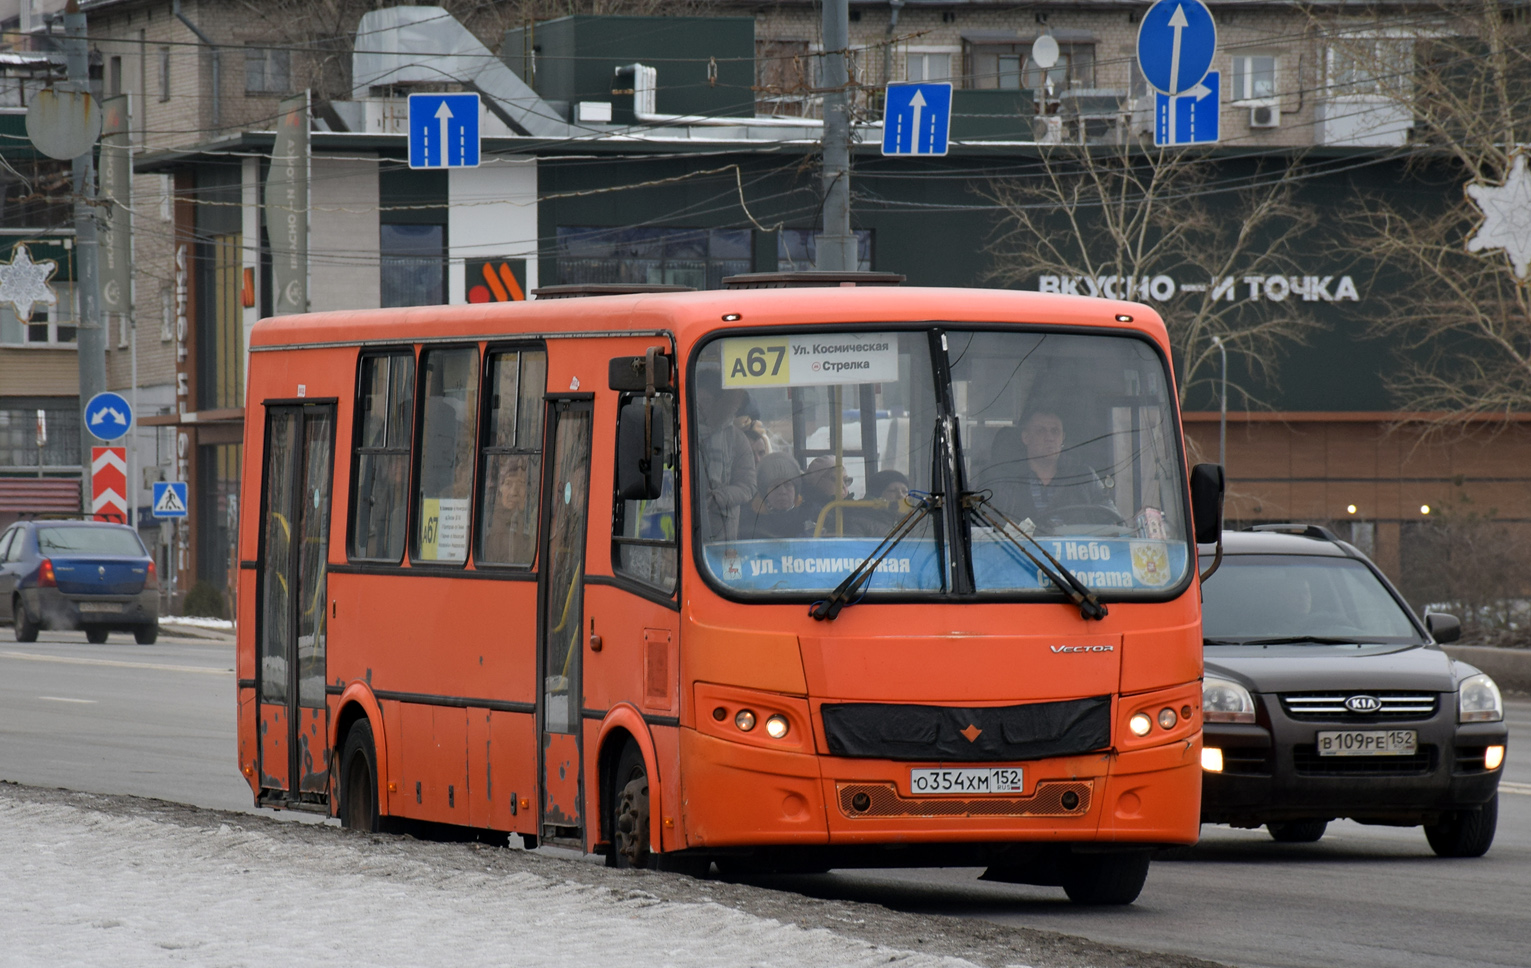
(643, 433)
(637, 374)
(1207, 502)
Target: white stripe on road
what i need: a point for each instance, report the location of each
(66, 699)
(1524, 789)
(157, 667)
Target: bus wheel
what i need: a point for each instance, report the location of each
(630, 810)
(1106, 878)
(358, 780)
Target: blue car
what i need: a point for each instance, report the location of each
(78, 575)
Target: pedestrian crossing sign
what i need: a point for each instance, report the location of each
(170, 499)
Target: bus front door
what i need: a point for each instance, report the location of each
(560, 591)
(290, 630)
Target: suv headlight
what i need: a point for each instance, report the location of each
(1225, 701)
(1478, 700)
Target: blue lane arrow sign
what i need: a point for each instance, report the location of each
(1176, 41)
(1190, 118)
(443, 131)
(917, 119)
(108, 415)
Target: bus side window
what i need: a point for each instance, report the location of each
(511, 458)
(385, 399)
(448, 411)
(645, 542)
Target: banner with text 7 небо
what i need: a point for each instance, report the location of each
(813, 360)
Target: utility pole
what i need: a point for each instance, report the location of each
(837, 250)
(90, 337)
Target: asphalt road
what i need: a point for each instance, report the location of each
(157, 721)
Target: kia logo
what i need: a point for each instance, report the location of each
(1363, 704)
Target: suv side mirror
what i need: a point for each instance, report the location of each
(1207, 502)
(1443, 628)
(643, 435)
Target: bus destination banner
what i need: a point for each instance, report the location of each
(806, 361)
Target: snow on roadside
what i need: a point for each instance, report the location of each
(81, 887)
(196, 622)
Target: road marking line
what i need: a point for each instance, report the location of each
(1524, 789)
(158, 667)
(66, 699)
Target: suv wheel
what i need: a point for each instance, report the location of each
(1465, 833)
(1297, 831)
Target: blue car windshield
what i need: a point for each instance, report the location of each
(89, 541)
(1259, 597)
(810, 448)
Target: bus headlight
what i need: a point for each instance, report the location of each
(1478, 700)
(776, 726)
(1225, 701)
(1140, 724)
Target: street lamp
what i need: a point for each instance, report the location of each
(1222, 420)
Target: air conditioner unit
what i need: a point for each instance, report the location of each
(1265, 114)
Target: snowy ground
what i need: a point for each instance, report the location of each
(94, 880)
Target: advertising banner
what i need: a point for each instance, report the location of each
(287, 207)
(117, 193)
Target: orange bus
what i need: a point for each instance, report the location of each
(780, 577)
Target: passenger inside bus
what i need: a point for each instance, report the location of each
(778, 511)
(890, 487)
(1034, 475)
(728, 462)
(510, 537)
(822, 484)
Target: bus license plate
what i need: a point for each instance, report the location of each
(1004, 779)
(1368, 742)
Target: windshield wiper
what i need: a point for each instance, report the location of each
(862, 573)
(1078, 592)
(1292, 640)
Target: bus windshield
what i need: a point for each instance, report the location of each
(811, 448)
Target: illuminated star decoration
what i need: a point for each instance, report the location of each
(23, 283)
(1506, 216)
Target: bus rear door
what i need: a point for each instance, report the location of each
(290, 671)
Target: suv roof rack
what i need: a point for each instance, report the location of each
(811, 278)
(1305, 530)
(581, 289)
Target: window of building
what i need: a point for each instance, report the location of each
(114, 75)
(1254, 77)
(48, 326)
(511, 458)
(1370, 66)
(699, 258)
(444, 494)
(784, 77)
(1008, 67)
(645, 541)
(414, 264)
(164, 73)
(268, 70)
(385, 406)
(927, 65)
(797, 250)
(18, 435)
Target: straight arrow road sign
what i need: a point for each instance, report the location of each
(1176, 41)
(917, 119)
(443, 131)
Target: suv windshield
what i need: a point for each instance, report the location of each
(810, 448)
(1258, 598)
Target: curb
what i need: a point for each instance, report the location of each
(1511, 668)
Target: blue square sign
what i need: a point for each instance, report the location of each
(1190, 118)
(917, 119)
(443, 131)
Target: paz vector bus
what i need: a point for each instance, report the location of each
(784, 576)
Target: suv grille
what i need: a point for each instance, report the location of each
(1308, 763)
(1330, 706)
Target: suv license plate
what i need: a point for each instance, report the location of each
(101, 607)
(1004, 779)
(1368, 742)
